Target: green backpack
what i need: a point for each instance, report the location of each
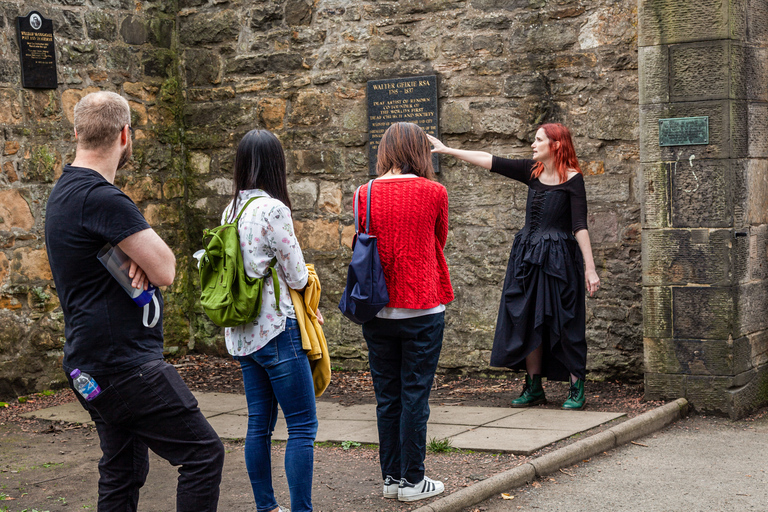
(229, 296)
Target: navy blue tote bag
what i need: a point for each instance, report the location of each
(366, 291)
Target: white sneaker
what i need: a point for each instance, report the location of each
(390, 487)
(424, 489)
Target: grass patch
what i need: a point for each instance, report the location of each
(346, 445)
(435, 445)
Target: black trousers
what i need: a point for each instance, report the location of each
(403, 356)
(150, 407)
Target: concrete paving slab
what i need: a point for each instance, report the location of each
(217, 403)
(363, 412)
(71, 413)
(457, 415)
(517, 441)
(332, 411)
(346, 430)
(443, 431)
(555, 419)
(229, 426)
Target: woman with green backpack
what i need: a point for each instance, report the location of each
(274, 365)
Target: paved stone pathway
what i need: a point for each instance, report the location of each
(498, 429)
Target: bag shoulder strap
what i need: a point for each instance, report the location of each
(275, 283)
(355, 208)
(243, 208)
(367, 209)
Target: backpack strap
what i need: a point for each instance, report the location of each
(275, 282)
(271, 269)
(243, 208)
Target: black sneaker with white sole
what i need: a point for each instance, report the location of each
(419, 491)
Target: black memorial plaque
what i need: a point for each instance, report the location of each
(37, 51)
(412, 100)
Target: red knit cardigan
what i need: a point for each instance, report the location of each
(409, 216)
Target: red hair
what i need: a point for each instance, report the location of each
(564, 156)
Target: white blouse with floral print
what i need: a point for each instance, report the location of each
(266, 231)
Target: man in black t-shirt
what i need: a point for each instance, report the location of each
(143, 401)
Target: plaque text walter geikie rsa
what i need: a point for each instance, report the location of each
(412, 100)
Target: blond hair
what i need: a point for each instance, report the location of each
(99, 117)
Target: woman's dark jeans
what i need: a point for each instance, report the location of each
(403, 357)
(150, 407)
(280, 373)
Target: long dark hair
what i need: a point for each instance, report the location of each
(405, 146)
(260, 163)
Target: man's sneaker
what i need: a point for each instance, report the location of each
(390, 487)
(424, 489)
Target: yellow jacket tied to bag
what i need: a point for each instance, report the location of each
(312, 338)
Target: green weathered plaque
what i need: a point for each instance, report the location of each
(684, 131)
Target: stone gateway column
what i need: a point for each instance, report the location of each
(705, 206)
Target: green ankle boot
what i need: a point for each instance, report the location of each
(576, 396)
(533, 393)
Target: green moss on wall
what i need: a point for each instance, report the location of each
(41, 165)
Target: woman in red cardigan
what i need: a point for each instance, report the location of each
(409, 215)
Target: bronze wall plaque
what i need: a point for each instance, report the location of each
(37, 51)
(684, 131)
(412, 99)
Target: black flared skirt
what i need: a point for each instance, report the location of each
(543, 304)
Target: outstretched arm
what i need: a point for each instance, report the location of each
(590, 274)
(480, 158)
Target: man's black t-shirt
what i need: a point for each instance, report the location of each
(103, 326)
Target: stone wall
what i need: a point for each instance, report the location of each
(199, 74)
(299, 68)
(116, 45)
(705, 214)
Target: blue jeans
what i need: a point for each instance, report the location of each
(403, 356)
(150, 407)
(279, 373)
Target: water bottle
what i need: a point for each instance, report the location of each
(85, 385)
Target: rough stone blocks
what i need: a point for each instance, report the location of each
(699, 71)
(719, 113)
(653, 74)
(699, 193)
(657, 312)
(682, 257)
(703, 312)
(671, 21)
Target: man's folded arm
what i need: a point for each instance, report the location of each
(152, 255)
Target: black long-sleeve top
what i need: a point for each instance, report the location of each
(520, 170)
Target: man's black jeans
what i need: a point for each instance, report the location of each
(403, 357)
(150, 407)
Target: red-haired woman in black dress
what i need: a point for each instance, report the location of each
(541, 322)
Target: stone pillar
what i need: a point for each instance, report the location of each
(705, 207)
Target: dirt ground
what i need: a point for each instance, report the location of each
(53, 467)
